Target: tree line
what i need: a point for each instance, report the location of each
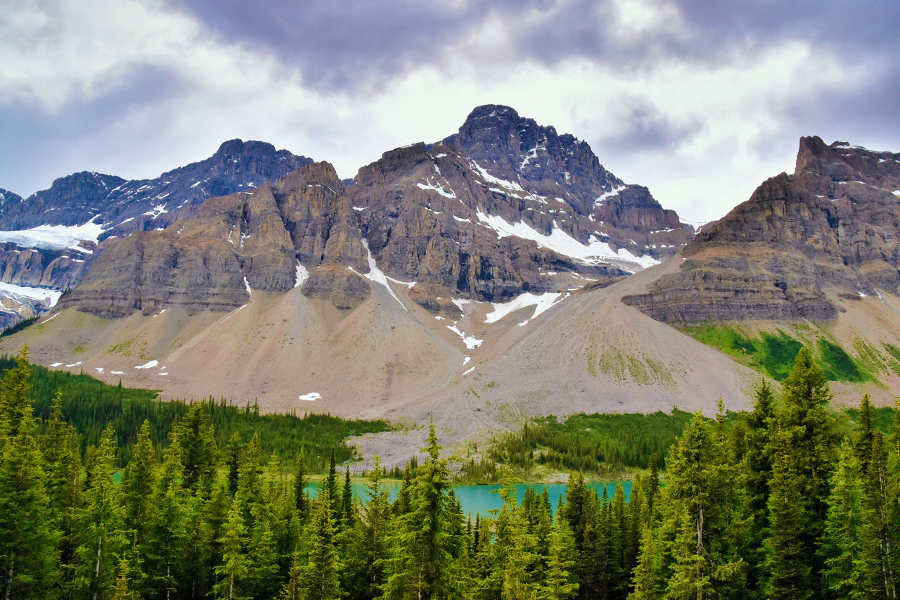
(776, 503)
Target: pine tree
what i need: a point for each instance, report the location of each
(878, 531)
(167, 529)
(101, 533)
(840, 577)
(422, 549)
(28, 538)
(300, 483)
(234, 567)
(138, 483)
(789, 567)
(702, 493)
(560, 582)
(233, 459)
(320, 577)
(363, 574)
(806, 426)
(863, 436)
(331, 487)
(647, 582)
(757, 467)
(62, 468)
(197, 446)
(346, 513)
(292, 590)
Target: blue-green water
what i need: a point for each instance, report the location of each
(481, 499)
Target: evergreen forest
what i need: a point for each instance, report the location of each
(782, 501)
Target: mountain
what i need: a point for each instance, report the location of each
(800, 248)
(453, 219)
(48, 240)
(468, 278)
(122, 206)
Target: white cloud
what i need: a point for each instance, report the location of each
(54, 52)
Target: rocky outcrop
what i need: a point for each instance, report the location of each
(564, 167)
(834, 223)
(59, 270)
(506, 206)
(237, 243)
(123, 207)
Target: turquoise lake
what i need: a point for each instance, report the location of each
(481, 499)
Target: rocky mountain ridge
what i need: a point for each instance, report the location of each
(49, 239)
(831, 229)
(453, 219)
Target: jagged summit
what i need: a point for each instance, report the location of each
(125, 206)
(831, 228)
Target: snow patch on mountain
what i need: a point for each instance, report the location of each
(540, 302)
(45, 296)
(596, 252)
(55, 237)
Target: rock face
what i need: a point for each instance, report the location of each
(503, 207)
(506, 206)
(121, 208)
(236, 243)
(832, 226)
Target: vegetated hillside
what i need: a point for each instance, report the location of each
(784, 490)
(810, 259)
(89, 406)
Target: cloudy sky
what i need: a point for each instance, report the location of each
(700, 100)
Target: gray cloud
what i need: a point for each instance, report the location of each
(77, 137)
(353, 43)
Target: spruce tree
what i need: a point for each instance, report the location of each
(363, 574)
(878, 531)
(757, 472)
(138, 483)
(560, 582)
(101, 525)
(300, 482)
(28, 538)
(422, 557)
(788, 566)
(840, 547)
(197, 446)
(806, 426)
(167, 530)
(234, 567)
(320, 577)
